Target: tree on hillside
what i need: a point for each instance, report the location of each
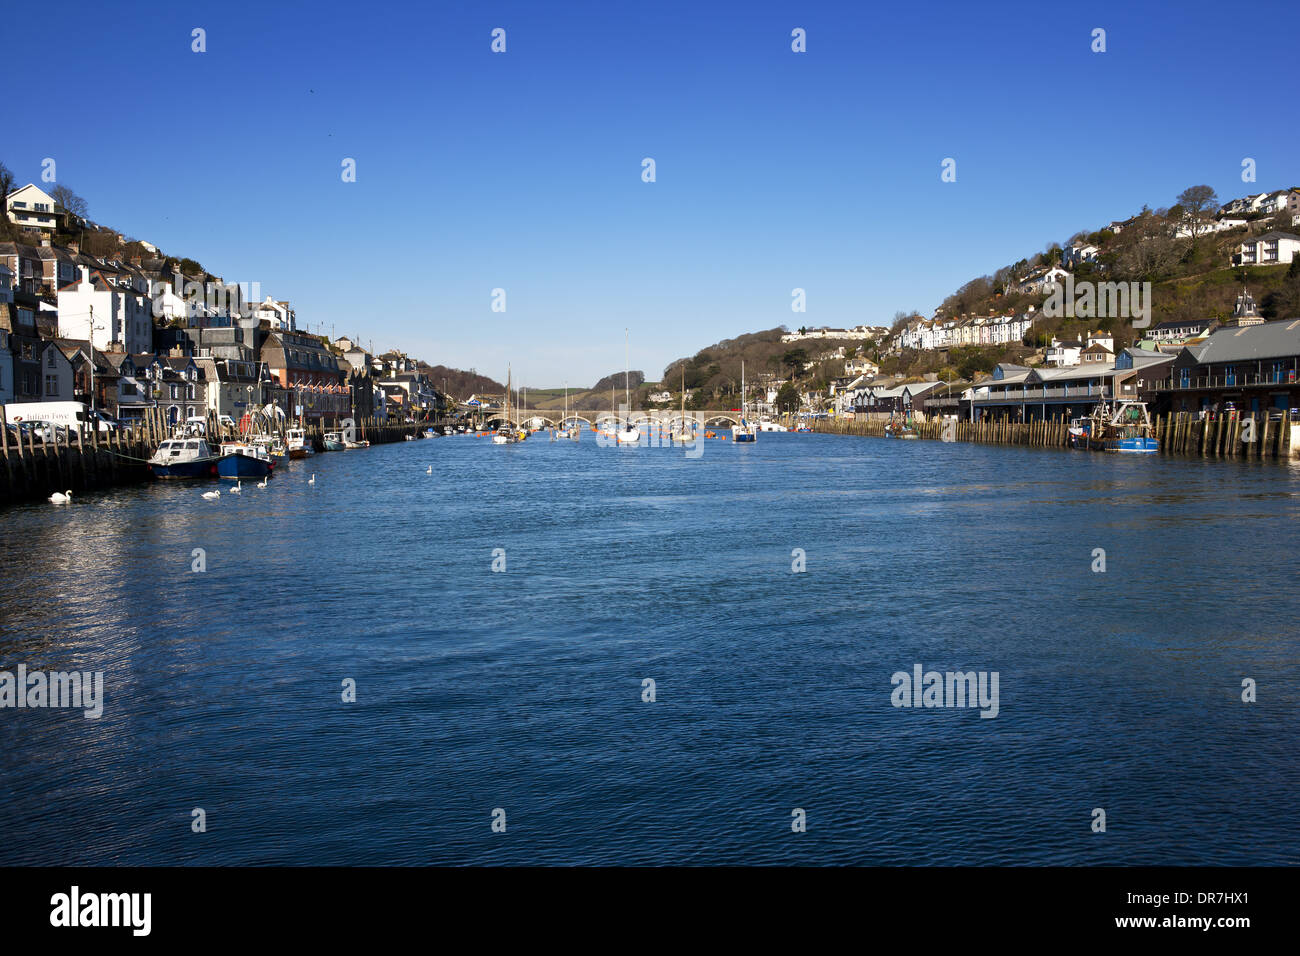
(1198, 200)
(1284, 302)
(7, 185)
(1146, 249)
(794, 359)
(70, 201)
(787, 398)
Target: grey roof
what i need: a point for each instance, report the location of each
(1272, 235)
(1250, 342)
(1143, 357)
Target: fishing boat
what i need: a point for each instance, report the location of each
(333, 441)
(745, 431)
(183, 458)
(275, 448)
(299, 446)
(1124, 427)
(767, 425)
(627, 434)
(244, 460)
(897, 429)
(802, 426)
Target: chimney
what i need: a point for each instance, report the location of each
(74, 248)
(45, 242)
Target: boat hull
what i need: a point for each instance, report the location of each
(1133, 446)
(202, 468)
(242, 466)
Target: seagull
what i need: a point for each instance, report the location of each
(311, 480)
(61, 499)
(212, 495)
(238, 489)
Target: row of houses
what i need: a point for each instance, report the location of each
(124, 336)
(940, 333)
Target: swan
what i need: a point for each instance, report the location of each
(61, 499)
(212, 495)
(238, 489)
(311, 480)
(262, 483)
(429, 470)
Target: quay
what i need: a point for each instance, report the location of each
(1179, 433)
(86, 460)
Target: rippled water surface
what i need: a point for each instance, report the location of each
(523, 690)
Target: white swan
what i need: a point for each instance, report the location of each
(311, 480)
(429, 470)
(212, 495)
(262, 483)
(61, 499)
(238, 489)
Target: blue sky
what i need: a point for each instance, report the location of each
(522, 170)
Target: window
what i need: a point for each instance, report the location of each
(1185, 378)
(50, 362)
(1230, 375)
(51, 385)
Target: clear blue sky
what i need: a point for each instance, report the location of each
(522, 171)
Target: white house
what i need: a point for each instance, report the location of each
(1203, 227)
(1062, 354)
(99, 310)
(32, 208)
(1077, 253)
(278, 314)
(1038, 280)
(1272, 248)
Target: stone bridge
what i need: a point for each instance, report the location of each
(663, 418)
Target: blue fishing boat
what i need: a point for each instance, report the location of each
(240, 460)
(1125, 429)
(184, 458)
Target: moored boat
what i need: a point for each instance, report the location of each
(745, 431)
(333, 441)
(244, 460)
(183, 458)
(1124, 428)
(299, 447)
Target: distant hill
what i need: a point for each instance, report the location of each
(615, 381)
(460, 383)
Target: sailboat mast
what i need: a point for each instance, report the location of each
(627, 365)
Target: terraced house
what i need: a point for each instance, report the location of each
(307, 379)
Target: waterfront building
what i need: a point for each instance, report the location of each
(1026, 394)
(236, 386)
(307, 378)
(1253, 367)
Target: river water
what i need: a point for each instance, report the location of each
(523, 689)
